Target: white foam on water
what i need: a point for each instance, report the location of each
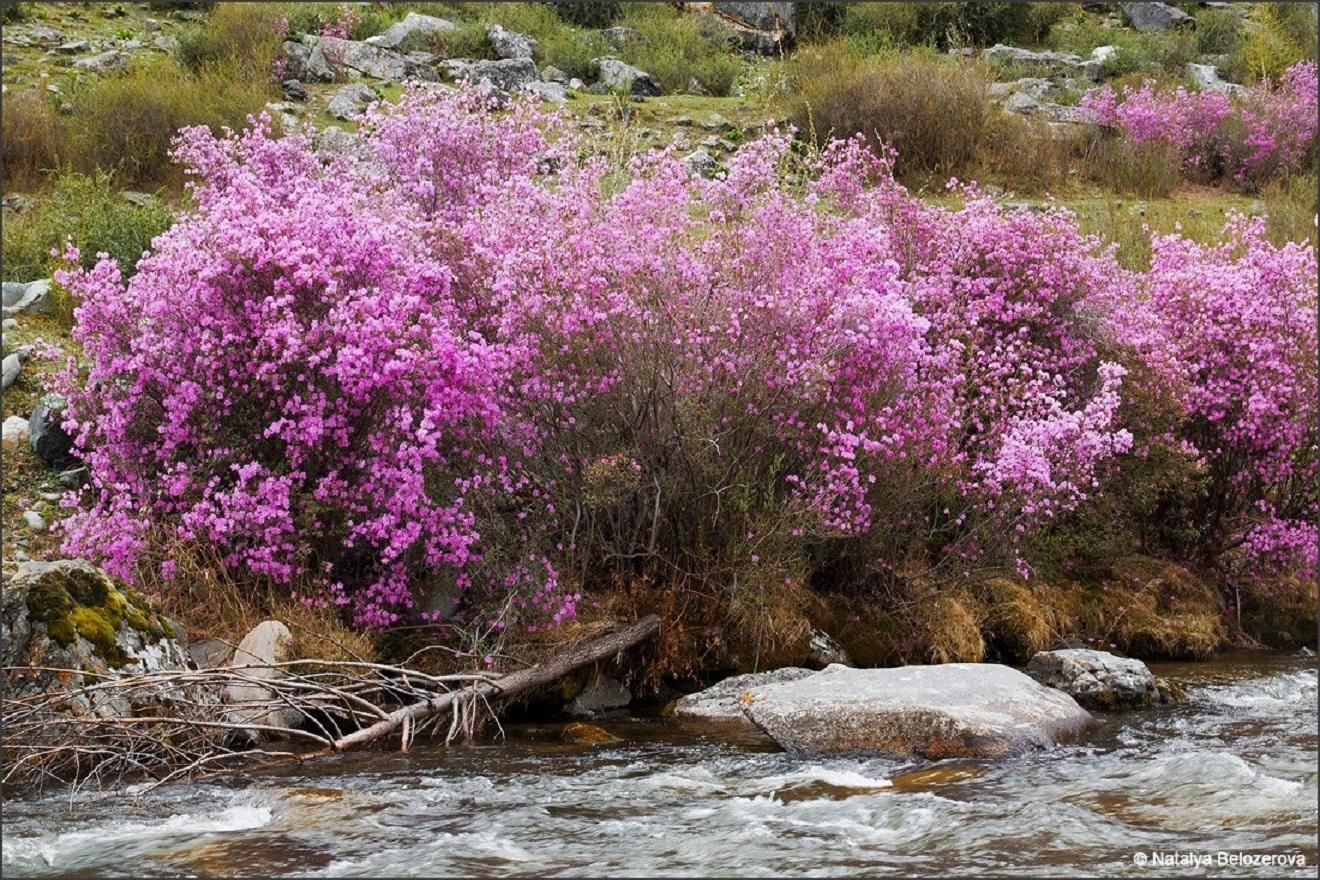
(69, 846)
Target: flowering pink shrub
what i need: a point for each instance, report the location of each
(474, 360)
(1236, 341)
(1271, 131)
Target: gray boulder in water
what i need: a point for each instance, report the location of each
(1099, 680)
(957, 710)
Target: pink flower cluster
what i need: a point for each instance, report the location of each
(1270, 131)
(478, 358)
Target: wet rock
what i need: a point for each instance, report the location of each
(12, 368)
(412, 23)
(587, 734)
(957, 710)
(825, 651)
(32, 297)
(615, 74)
(66, 624)
(509, 44)
(1304, 652)
(1155, 16)
(47, 437)
(350, 101)
(724, 701)
(601, 695)
(1100, 680)
(269, 642)
(15, 432)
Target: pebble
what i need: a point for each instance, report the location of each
(10, 323)
(51, 496)
(20, 556)
(34, 521)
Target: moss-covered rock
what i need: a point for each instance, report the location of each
(67, 621)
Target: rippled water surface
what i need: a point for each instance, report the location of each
(1234, 770)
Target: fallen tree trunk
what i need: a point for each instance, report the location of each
(506, 686)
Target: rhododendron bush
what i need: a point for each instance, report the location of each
(1268, 132)
(471, 362)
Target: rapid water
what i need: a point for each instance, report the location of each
(1233, 771)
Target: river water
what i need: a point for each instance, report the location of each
(1211, 787)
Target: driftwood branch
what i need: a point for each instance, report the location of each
(509, 685)
(173, 724)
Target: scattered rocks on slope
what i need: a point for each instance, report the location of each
(509, 44)
(104, 62)
(957, 710)
(412, 23)
(1099, 680)
(1155, 16)
(350, 101)
(31, 297)
(383, 64)
(724, 701)
(616, 74)
(1000, 55)
(1206, 77)
(306, 63)
(509, 74)
(12, 368)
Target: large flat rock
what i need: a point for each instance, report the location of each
(957, 710)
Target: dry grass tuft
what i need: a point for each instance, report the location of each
(32, 135)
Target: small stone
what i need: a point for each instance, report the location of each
(15, 434)
(34, 521)
(10, 323)
(21, 556)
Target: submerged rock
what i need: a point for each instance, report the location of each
(587, 734)
(957, 710)
(724, 701)
(1100, 680)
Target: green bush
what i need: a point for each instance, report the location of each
(945, 25)
(1285, 33)
(242, 36)
(933, 109)
(1218, 32)
(90, 210)
(11, 13)
(587, 15)
(677, 48)
(127, 121)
